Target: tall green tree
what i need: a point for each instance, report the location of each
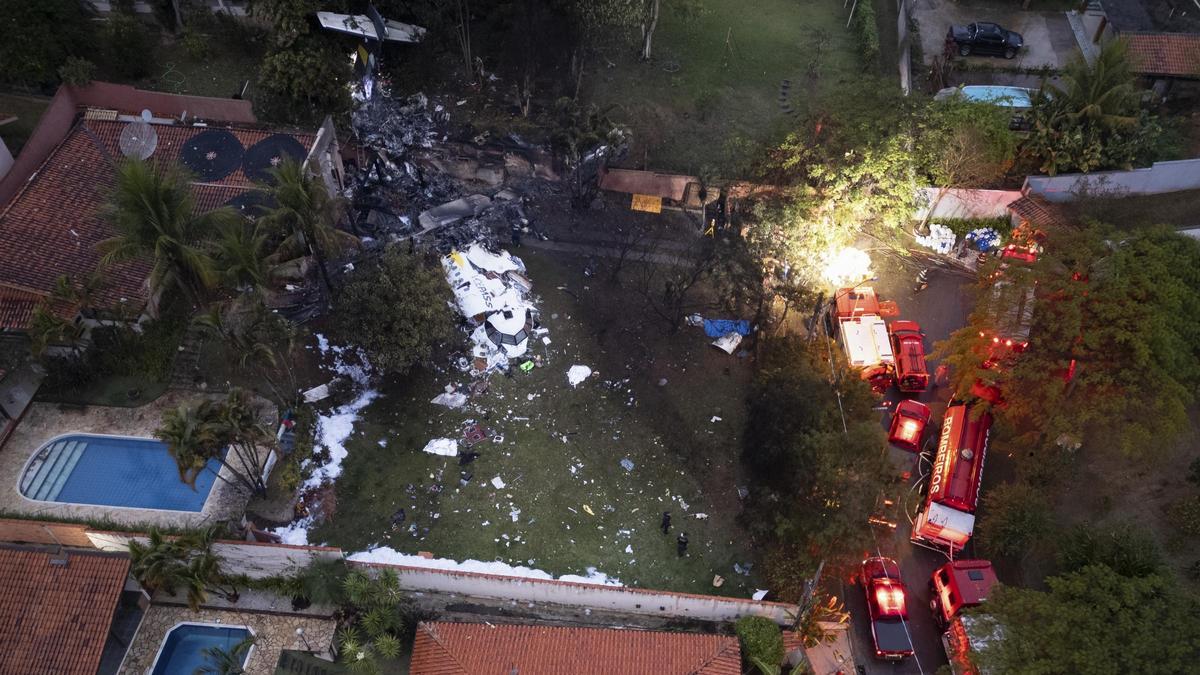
(40, 36)
(198, 433)
(240, 253)
(396, 309)
(259, 340)
(185, 562)
(1092, 121)
(1093, 621)
(154, 213)
(305, 216)
(818, 458)
(1124, 309)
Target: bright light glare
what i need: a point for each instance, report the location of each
(890, 599)
(908, 430)
(846, 266)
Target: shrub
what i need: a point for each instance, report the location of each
(1184, 515)
(77, 71)
(128, 45)
(1128, 551)
(762, 641)
(196, 45)
(867, 33)
(1016, 517)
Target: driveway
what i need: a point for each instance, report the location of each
(1049, 40)
(940, 309)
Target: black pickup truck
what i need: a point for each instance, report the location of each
(984, 38)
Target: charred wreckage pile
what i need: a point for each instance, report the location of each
(461, 199)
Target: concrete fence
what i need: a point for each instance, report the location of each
(253, 559)
(965, 203)
(1161, 177)
(660, 604)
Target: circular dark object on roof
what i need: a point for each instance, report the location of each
(270, 153)
(212, 154)
(252, 203)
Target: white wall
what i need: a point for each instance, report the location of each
(1162, 177)
(255, 560)
(966, 203)
(597, 597)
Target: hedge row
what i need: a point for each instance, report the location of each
(867, 33)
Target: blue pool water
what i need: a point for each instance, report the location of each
(113, 471)
(183, 650)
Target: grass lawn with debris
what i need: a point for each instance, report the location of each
(717, 78)
(567, 503)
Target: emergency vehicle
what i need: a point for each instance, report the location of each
(947, 516)
(908, 346)
(956, 586)
(864, 335)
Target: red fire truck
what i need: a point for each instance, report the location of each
(908, 346)
(947, 516)
(958, 585)
(864, 335)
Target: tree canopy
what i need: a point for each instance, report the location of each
(396, 309)
(1125, 308)
(816, 481)
(1095, 621)
(39, 37)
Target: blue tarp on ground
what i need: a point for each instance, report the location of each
(715, 328)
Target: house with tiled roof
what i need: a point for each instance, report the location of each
(445, 648)
(53, 218)
(1163, 43)
(61, 611)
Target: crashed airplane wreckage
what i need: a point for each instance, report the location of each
(493, 294)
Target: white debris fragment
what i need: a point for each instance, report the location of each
(498, 483)
(578, 374)
(700, 516)
(450, 400)
(728, 342)
(759, 594)
(629, 549)
(715, 419)
(447, 447)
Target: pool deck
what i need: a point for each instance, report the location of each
(45, 421)
(273, 634)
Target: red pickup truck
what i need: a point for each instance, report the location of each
(887, 603)
(908, 348)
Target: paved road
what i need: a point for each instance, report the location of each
(940, 309)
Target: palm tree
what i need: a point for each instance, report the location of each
(154, 213)
(260, 340)
(305, 216)
(225, 662)
(240, 256)
(238, 426)
(1103, 92)
(49, 326)
(156, 564)
(195, 435)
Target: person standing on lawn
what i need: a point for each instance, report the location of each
(666, 522)
(681, 544)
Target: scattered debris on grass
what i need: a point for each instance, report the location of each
(577, 374)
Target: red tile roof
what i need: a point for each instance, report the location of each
(55, 619)
(51, 227)
(16, 307)
(480, 649)
(1038, 212)
(1168, 54)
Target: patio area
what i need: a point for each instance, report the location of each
(45, 422)
(273, 633)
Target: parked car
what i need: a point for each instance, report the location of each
(985, 38)
(887, 603)
(908, 348)
(908, 425)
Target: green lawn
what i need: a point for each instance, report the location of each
(221, 73)
(567, 503)
(728, 65)
(28, 110)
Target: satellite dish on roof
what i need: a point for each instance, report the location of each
(147, 115)
(138, 140)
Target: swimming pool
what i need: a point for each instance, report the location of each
(113, 471)
(182, 652)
